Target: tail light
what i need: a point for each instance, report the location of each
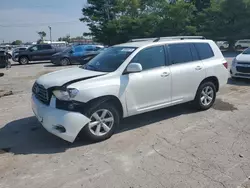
(225, 65)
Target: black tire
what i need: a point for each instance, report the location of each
(86, 131)
(23, 60)
(238, 47)
(198, 98)
(65, 61)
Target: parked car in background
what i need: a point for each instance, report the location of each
(126, 80)
(222, 45)
(91, 55)
(242, 44)
(74, 54)
(8, 49)
(38, 52)
(241, 65)
(16, 52)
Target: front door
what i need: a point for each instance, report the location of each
(35, 53)
(149, 89)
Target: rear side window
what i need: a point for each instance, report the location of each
(180, 53)
(89, 48)
(194, 53)
(46, 47)
(204, 50)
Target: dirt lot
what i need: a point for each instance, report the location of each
(174, 147)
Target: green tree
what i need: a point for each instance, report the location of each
(116, 21)
(66, 38)
(41, 34)
(16, 42)
(226, 19)
(201, 4)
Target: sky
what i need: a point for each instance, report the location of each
(22, 19)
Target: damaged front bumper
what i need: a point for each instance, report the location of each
(64, 124)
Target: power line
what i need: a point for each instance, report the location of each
(37, 24)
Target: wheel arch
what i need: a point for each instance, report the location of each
(23, 56)
(212, 79)
(107, 98)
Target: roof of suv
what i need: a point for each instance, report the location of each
(145, 43)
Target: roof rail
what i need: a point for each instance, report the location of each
(156, 39)
(142, 39)
(179, 38)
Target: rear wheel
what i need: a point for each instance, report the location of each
(23, 60)
(65, 62)
(104, 120)
(205, 96)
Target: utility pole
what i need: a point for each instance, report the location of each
(50, 34)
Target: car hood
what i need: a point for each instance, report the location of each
(243, 58)
(66, 76)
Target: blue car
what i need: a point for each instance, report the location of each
(74, 54)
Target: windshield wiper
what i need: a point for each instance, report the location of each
(91, 67)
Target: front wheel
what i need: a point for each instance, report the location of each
(104, 118)
(65, 62)
(205, 96)
(23, 60)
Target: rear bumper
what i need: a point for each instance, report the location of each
(61, 123)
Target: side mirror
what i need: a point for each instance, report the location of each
(134, 67)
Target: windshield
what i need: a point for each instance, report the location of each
(247, 51)
(67, 49)
(110, 59)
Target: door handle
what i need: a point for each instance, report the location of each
(198, 68)
(165, 74)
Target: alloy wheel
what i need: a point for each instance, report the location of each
(207, 96)
(101, 122)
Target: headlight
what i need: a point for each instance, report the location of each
(65, 95)
(234, 62)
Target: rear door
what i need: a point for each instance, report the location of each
(187, 71)
(46, 52)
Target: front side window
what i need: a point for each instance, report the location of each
(110, 59)
(151, 57)
(34, 48)
(180, 53)
(204, 50)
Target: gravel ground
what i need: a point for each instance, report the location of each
(173, 147)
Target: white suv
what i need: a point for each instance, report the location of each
(241, 44)
(126, 80)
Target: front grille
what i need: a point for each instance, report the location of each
(243, 69)
(243, 63)
(41, 93)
